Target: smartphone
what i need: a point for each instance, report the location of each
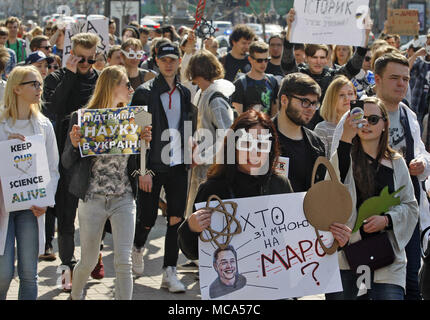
(357, 104)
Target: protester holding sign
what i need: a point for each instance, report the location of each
(336, 102)
(65, 91)
(21, 117)
(229, 181)
(106, 188)
(316, 56)
(367, 165)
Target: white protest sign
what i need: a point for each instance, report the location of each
(97, 26)
(275, 256)
(25, 177)
(337, 22)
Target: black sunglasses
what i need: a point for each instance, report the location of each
(260, 60)
(367, 58)
(36, 84)
(373, 119)
(306, 103)
(90, 61)
(46, 48)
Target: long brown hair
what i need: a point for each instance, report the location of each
(364, 175)
(246, 120)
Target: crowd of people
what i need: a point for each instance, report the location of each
(300, 95)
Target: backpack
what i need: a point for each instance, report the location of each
(218, 94)
(268, 77)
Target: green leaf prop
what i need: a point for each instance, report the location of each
(376, 205)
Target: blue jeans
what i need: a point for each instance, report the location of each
(378, 291)
(23, 227)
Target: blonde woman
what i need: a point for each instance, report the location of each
(106, 190)
(20, 118)
(336, 102)
(341, 55)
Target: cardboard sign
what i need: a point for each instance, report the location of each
(109, 131)
(276, 255)
(25, 176)
(402, 22)
(337, 22)
(97, 26)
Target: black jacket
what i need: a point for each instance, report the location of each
(225, 189)
(148, 94)
(80, 168)
(63, 93)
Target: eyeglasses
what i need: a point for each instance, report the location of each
(247, 142)
(46, 47)
(133, 55)
(55, 67)
(90, 61)
(306, 103)
(367, 58)
(260, 60)
(36, 84)
(373, 119)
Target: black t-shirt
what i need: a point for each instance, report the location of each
(301, 163)
(234, 68)
(258, 92)
(274, 69)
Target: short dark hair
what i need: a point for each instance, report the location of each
(311, 49)
(12, 20)
(113, 49)
(241, 31)
(204, 64)
(258, 47)
(274, 36)
(298, 84)
(299, 46)
(36, 42)
(382, 62)
(227, 248)
(144, 30)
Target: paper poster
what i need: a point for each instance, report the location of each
(109, 131)
(337, 22)
(25, 176)
(98, 26)
(283, 166)
(275, 256)
(403, 22)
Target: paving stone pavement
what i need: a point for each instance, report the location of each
(146, 287)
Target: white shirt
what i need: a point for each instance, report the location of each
(172, 107)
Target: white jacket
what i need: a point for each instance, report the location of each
(43, 126)
(419, 153)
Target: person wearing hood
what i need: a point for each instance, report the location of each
(214, 112)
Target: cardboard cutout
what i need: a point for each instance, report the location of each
(327, 202)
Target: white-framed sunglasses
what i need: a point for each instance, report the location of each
(247, 142)
(132, 54)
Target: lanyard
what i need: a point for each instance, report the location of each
(170, 97)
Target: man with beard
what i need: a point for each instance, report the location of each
(276, 46)
(229, 279)
(298, 100)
